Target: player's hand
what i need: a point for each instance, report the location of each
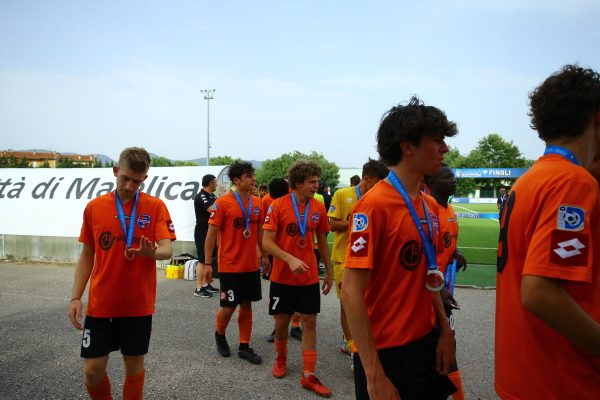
(445, 352)
(75, 313)
(448, 299)
(461, 261)
(381, 388)
(327, 283)
(146, 249)
(266, 266)
(208, 273)
(297, 266)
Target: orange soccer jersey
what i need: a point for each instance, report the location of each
(548, 229)
(236, 253)
(266, 203)
(448, 235)
(282, 219)
(384, 239)
(119, 287)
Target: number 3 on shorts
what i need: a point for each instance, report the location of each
(275, 301)
(230, 296)
(86, 340)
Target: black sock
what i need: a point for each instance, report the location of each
(244, 346)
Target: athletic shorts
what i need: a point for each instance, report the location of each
(411, 368)
(239, 286)
(338, 275)
(288, 299)
(199, 239)
(103, 335)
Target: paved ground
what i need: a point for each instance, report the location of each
(39, 356)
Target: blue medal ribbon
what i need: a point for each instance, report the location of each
(245, 212)
(301, 224)
(427, 242)
(128, 232)
(451, 276)
(561, 151)
(357, 193)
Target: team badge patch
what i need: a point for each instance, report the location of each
(214, 207)
(315, 217)
(570, 218)
(359, 246)
(569, 248)
(410, 255)
(331, 209)
(106, 240)
(256, 210)
(270, 209)
(360, 222)
(143, 221)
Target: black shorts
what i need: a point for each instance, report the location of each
(411, 368)
(239, 286)
(200, 238)
(103, 335)
(288, 299)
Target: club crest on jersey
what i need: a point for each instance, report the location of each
(360, 222)
(570, 218)
(270, 209)
(331, 209)
(256, 210)
(315, 217)
(214, 207)
(143, 221)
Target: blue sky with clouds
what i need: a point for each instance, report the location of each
(97, 76)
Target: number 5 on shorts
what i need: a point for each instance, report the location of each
(85, 341)
(275, 301)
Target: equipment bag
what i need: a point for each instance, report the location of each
(190, 270)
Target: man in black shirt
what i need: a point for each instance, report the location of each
(501, 202)
(202, 204)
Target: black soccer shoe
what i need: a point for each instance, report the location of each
(222, 345)
(249, 354)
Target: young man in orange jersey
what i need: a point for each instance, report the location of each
(123, 234)
(450, 259)
(236, 221)
(341, 206)
(391, 281)
(289, 229)
(547, 302)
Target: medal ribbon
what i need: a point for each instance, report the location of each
(561, 151)
(301, 225)
(357, 193)
(427, 242)
(451, 276)
(244, 211)
(128, 232)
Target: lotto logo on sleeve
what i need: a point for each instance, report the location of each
(570, 218)
(569, 248)
(359, 247)
(360, 222)
(331, 209)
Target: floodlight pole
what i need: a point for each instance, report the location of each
(208, 96)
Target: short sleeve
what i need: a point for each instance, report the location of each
(86, 234)
(335, 208)
(164, 229)
(217, 213)
(561, 241)
(361, 243)
(272, 218)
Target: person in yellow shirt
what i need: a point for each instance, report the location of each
(341, 206)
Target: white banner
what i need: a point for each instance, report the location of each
(50, 201)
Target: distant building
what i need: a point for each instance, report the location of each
(36, 159)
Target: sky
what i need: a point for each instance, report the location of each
(98, 76)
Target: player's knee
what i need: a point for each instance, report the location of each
(309, 322)
(133, 365)
(93, 373)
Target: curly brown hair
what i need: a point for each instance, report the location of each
(302, 169)
(561, 107)
(410, 123)
(136, 159)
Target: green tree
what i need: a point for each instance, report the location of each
(277, 168)
(65, 163)
(161, 162)
(45, 164)
(493, 151)
(97, 163)
(454, 159)
(186, 164)
(223, 160)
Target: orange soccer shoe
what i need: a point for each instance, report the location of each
(280, 366)
(313, 383)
